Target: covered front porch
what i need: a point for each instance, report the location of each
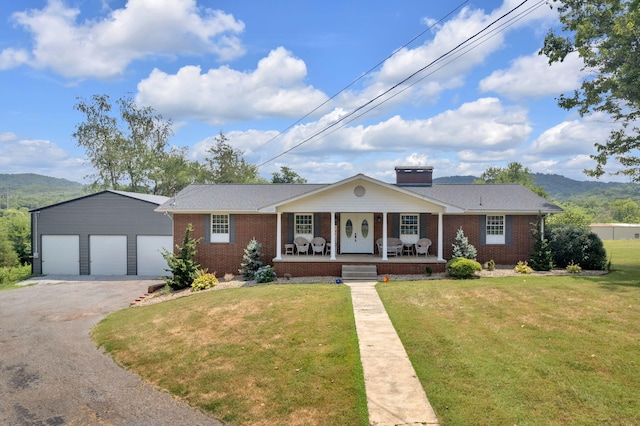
(339, 245)
(323, 265)
(361, 221)
(358, 258)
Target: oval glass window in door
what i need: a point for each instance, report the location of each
(348, 228)
(365, 228)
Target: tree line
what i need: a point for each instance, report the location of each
(128, 147)
(580, 211)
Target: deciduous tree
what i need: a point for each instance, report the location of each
(572, 215)
(625, 211)
(129, 148)
(513, 173)
(606, 35)
(227, 164)
(286, 175)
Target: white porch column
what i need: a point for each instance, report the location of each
(279, 237)
(334, 237)
(384, 236)
(440, 233)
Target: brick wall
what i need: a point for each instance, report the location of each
(328, 269)
(225, 258)
(505, 254)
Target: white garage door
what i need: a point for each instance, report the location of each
(108, 254)
(61, 254)
(149, 253)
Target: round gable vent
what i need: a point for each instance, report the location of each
(359, 191)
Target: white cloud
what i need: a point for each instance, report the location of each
(476, 126)
(11, 58)
(275, 88)
(104, 47)
(479, 133)
(39, 156)
(449, 72)
(573, 137)
(532, 76)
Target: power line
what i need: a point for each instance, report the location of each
(395, 86)
(369, 71)
(485, 38)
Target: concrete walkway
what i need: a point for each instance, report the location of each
(394, 393)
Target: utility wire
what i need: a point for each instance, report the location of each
(369, 71)
(482, 40)
(395, 86)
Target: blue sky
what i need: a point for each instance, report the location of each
(251, 69)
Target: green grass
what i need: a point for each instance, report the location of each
(527, 350)
(10, 276)
(520, 350)
(268, 355)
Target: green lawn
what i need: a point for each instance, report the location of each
(500, 351)
(269, 355)
(527, 350)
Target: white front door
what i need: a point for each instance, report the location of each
(356, 233)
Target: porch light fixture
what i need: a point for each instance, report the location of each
(379, 218)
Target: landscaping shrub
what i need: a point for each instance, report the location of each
(573, 268)
(523, 268)
(491, 265)
(460, 267)
(204, 281)
(542, 257)
(577, 245)
(182, 266)
(252, 260)
(265, 274)
(462, 248)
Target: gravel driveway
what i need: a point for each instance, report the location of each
(52, 374)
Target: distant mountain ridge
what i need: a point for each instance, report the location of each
(30, 190)
(21, 180)
(561, 188)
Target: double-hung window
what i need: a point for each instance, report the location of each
(304, 225)
(495, 230)
(219, 228)
(409, 228)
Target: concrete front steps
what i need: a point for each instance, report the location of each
(360, 272)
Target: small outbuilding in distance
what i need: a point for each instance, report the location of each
(616, 231)
(106, 233)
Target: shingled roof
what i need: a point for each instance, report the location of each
(251, 198)
(233, 197)
(489, 198)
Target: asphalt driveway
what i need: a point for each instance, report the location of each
(52, 374)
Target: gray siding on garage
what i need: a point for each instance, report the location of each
(103, 213)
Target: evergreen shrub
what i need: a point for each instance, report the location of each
(460, 267)
(577, 245)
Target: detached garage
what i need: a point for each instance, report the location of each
(106, 233)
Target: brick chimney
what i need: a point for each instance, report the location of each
(414, 176)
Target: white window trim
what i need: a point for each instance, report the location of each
(308, 236)
(220, 237)
(413, 237)
(496, 238)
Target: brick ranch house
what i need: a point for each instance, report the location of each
(354, 216)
